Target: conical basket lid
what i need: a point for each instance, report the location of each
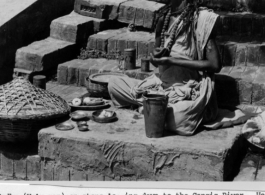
(19, 99)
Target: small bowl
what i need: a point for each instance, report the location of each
(96, 118)
(65, 126)
(81, 123)
(83, 128)
(79, 115)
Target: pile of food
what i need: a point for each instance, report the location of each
(105, 114)
(86, 101)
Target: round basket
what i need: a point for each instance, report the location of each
(97, 84)
(25, 109)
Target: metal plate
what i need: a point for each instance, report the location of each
(92, 107)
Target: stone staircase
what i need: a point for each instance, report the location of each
(98, 25)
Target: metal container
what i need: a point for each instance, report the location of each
(129, 59)
(145, 65)
(39, 81)
(155, 107)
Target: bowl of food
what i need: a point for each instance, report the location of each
(104, 116)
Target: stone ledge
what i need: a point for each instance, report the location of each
(139, 12)
(45, 54)
(76, 28)
(121, 149)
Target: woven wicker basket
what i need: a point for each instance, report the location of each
(25, 109)
(97, 87)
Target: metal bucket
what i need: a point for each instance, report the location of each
(155, 107)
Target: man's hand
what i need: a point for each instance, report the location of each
(158, 61)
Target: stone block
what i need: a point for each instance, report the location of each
(151, 45)
(74, 28)
(236, 25)
(237, 71)
(99, 41)
(246, 25)
(250, 73)
(84, 71)
(100, 64)
(241, 54)
(7, 165)
(34, 168)
(229, 52)
(103, 9)
(73, 71)
(143, 46)
(258, 94)
(226, 70)
(61, 173)
(126, 152)
(111, 66)
(77, 175)
(257, 25)
(45, 54)
(20, 168)
(261, 55)
(253, 54)
(226, 24)
(47, 169)
(62, 73)
(139, 12)
(245, 90)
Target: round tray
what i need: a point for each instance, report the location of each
(103, 120)
(92, 107)
(103, 78)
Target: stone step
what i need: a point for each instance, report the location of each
(45, 54)
(246, 85)
(241, 24)
(234, 85)
(244, 51)
(139, 12)
(234, 51)
(121, 151)
(20, 162)
(113, 42)
(76, 28)
(75, 71)
(218, 5)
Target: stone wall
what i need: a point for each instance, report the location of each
(25, 26)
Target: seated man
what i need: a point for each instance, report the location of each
(187, 58)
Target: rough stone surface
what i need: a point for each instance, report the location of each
(113, 41)
(74, 28)
(139, 12)
(114, 150)
(44, 54)
(106, 9)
